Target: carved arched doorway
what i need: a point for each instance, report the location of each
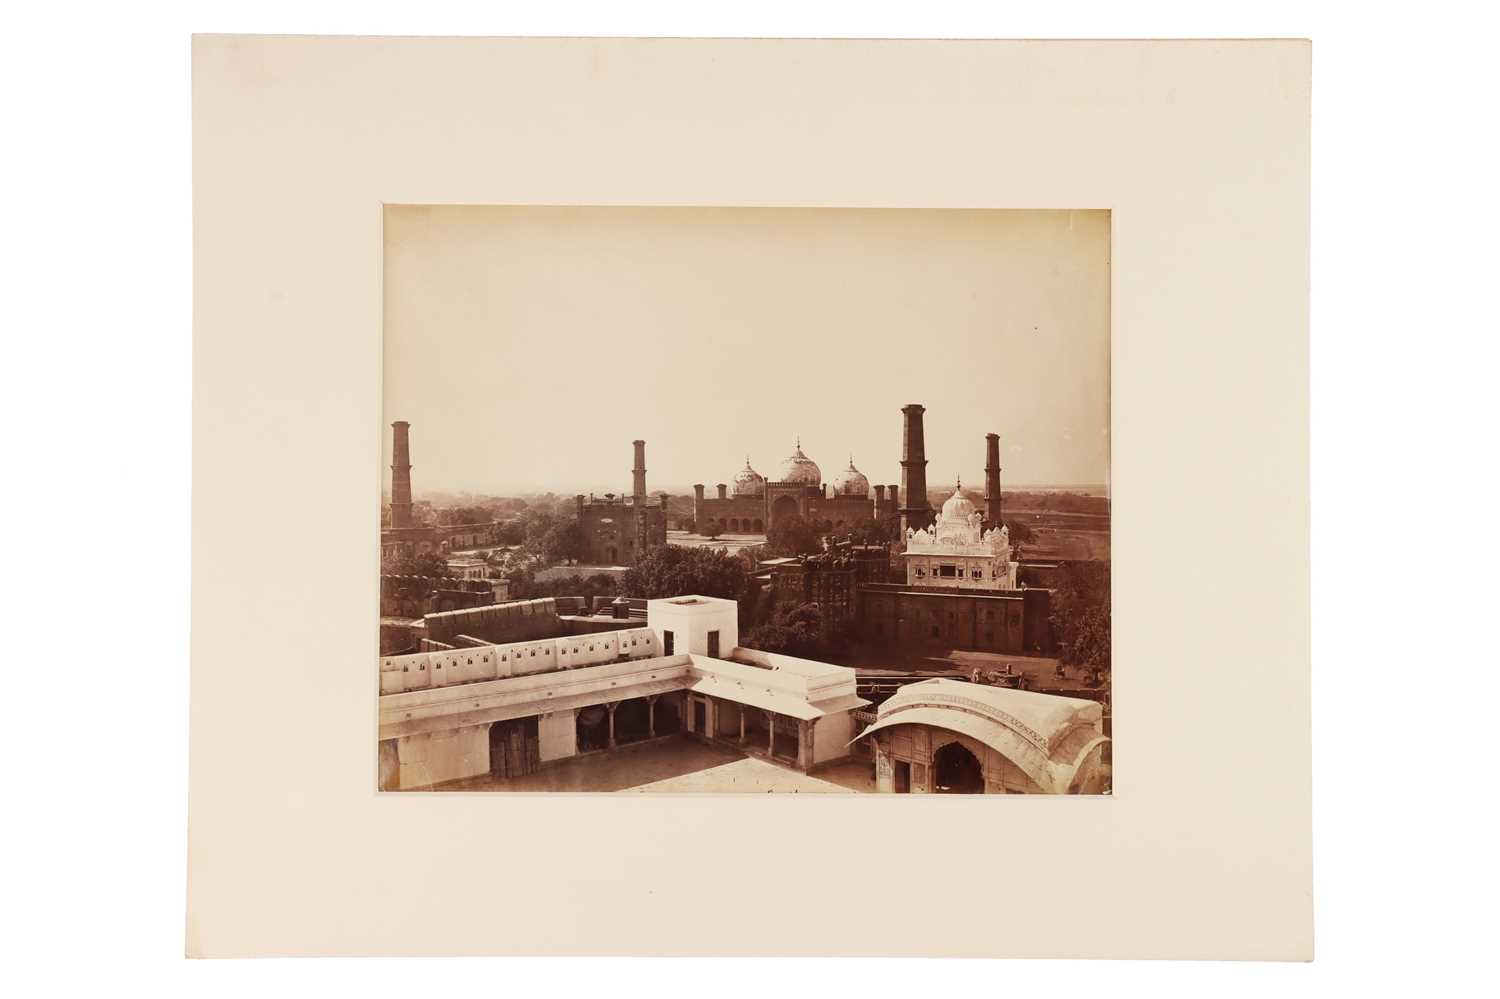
(955, 770)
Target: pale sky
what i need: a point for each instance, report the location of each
(529, 346)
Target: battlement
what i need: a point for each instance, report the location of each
(444, 668)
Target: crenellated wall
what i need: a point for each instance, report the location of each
(425, 670)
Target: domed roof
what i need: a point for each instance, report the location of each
(749, 482)
(851, 482)
(958, 506)
(799, 468)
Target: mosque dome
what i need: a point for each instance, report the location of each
(749, 482)
(799, 468)
(958, 506)
(851, 482)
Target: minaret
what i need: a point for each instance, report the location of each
(992, 479)
(639, 472)
(401, 475)
(917, 513)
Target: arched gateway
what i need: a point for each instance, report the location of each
(955, 770)
(954, 737)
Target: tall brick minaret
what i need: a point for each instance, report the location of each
(992, 480)
(639, 472)
(917, 513)
(401, 475)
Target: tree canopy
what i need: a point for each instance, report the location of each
(793, 535)
(417, 565)
(1081, 614)
(460, 515)
(794, 630)
(600, 584)
(875, 532)
(672, 571)
(563, 542)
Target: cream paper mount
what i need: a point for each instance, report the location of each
(1200, 152)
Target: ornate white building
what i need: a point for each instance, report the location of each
(957, 552)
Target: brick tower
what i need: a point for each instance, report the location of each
(917, 513)
(401, 475)
(991, 480)
(639, 472)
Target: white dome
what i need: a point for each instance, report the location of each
(799, 468)
(749, 482)
(851, 482)
(958, 506)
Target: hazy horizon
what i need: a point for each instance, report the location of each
(528, 347)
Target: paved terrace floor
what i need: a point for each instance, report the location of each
(678, 765)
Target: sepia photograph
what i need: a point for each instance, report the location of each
(723, 412)
(745, 500)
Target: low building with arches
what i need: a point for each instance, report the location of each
(951, 736)
(507, 710)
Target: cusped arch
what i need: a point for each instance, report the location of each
(986, 732)
(959, 768)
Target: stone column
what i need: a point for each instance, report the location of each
(611, 706)
(742, 724)
(771, 738)
(804, 747)
(651, 716)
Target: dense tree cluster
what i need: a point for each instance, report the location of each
(671, 571)
(599, 584)
(875, 532)
(457, 516)
(1081, 615)
(794, 630)
(416, 565)
(797, 629)
(563, 542)
(793, 535)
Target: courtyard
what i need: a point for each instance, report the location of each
(678, 764)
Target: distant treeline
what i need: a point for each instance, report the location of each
(1058, 502)
(1055, 502)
